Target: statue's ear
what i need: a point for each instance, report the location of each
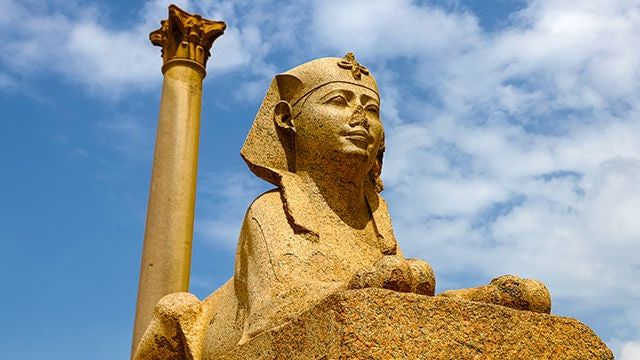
(282, 116)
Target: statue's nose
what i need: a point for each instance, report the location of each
(359, 118)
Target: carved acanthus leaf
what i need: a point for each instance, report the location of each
(186, 36)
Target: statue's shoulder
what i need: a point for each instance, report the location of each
(268, 202)
(266, 228)
(268, 211)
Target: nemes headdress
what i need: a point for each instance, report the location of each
(266, 151)
(269, 152)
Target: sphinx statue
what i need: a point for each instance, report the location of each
(319, 139)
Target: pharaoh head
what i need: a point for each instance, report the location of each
(323, 112)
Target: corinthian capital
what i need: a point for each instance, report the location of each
(186, 37)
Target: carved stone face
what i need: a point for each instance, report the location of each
(338, 123)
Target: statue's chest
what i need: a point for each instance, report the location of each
(336, 256)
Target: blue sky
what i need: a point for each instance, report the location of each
(512, 147)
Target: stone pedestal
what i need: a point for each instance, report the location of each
(382, 324)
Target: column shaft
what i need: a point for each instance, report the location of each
(186, 41)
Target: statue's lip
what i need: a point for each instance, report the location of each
(359, 133)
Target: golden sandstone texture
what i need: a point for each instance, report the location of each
(383, 324)
(318, 272)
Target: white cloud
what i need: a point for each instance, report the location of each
(113, 60)
(630, 350)
(76, 45)
(81, 46)
(392, 29)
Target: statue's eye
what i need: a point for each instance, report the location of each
(373, 109)
(338, 100)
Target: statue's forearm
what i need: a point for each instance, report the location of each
(510, 291)
(176, 330)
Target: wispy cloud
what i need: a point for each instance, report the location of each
(131, 136)
(630, 350)
(224, 199)
(81, 46)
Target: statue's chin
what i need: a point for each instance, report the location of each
(346, 157)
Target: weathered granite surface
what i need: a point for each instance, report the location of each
(382, 324)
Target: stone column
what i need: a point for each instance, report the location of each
(166, 256)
